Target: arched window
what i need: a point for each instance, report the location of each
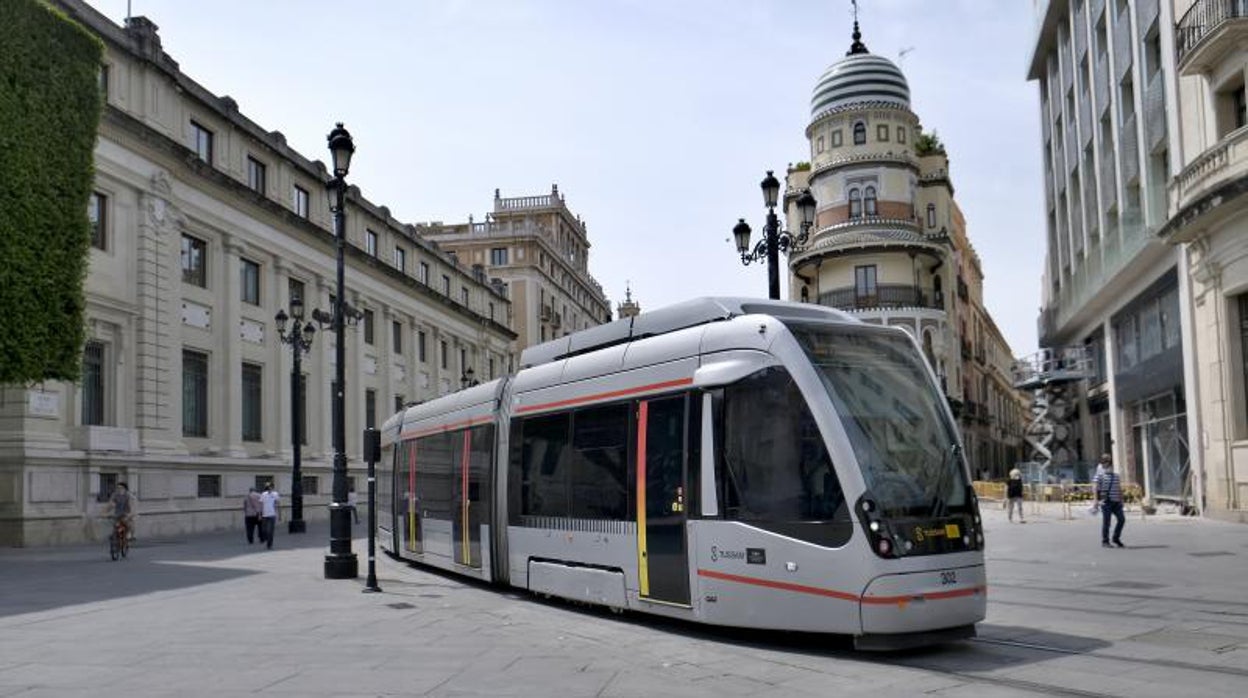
(805, 294)
(938, 293)
(931, 215)
(855, 203)
(860, 133)
(869, 201)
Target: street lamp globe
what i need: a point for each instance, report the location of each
(771, 189)
(281, 319)
(806, 204)
(341, 148)
(741, 231)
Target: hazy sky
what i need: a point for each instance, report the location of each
(656, 118)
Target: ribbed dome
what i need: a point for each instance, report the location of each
(860, 77)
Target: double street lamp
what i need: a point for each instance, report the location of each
(300, 340)
(341, 562)
(774, 240)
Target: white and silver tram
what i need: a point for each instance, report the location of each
(737, 462)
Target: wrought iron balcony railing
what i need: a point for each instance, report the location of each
(1201, 19)
(884, 296)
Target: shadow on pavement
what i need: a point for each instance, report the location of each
(996, 645)
(41, 579)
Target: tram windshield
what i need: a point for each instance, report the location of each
(893, 416)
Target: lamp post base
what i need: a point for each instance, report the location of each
(297, 526)
(340, 566)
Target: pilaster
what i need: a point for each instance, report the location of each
(229, 408)
(157, 350)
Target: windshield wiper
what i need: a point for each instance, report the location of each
(950, 460)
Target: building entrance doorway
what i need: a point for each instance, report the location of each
(1162, 462)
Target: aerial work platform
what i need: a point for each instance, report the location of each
(1050, 375)
(1053, 365)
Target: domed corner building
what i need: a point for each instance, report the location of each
(889, 246)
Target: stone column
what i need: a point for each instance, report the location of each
(319, 368)
(158, 351)
(278, 383)
(229, 408)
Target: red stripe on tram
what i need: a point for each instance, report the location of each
(783, 586)
(843, 595)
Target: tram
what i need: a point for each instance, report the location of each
(738, 462)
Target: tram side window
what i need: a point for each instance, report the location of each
(599, 463)
(544, 455)
(435, 468)
(480, 454)
(775, 469)
(385, 484)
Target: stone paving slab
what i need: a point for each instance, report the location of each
(213, 616)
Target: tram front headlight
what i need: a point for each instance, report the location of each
(874, 526)
(885, 546)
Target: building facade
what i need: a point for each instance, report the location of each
(889, 245)
(1209, 223)
(1105, 71)
(205, 225)
(539, 252)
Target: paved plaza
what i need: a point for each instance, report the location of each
(212, 616)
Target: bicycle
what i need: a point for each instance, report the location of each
(119, 540)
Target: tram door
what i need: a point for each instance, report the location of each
(409, 505)
(471, 458)
(663, 559)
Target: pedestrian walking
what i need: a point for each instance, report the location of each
(1109, 496)
(1100, 467)
(252, 508)
(269, 512)
(1014, 494)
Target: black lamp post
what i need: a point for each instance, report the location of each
(300, 340)
(340, 563)
(467, 379)
(774, 240)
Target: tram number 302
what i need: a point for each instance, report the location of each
(949, 577)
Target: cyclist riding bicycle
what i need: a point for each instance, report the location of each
(121, 508)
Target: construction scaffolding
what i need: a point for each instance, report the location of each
(1052, 376)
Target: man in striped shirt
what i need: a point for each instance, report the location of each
(1109, 494)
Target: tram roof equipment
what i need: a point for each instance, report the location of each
(691, 313)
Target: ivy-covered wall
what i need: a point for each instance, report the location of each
(50, 105)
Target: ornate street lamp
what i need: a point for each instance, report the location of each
(341, 562)
(300, 340)
(774, 240)
(467, 379)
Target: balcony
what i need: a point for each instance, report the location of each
(1208, 31)
(885, 296)
(1225, 162)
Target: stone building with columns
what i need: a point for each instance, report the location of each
(538, 250)
(889, 245)
(205, 225)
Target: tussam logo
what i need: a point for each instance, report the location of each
(716, 554)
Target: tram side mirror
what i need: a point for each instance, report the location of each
(372, 445)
